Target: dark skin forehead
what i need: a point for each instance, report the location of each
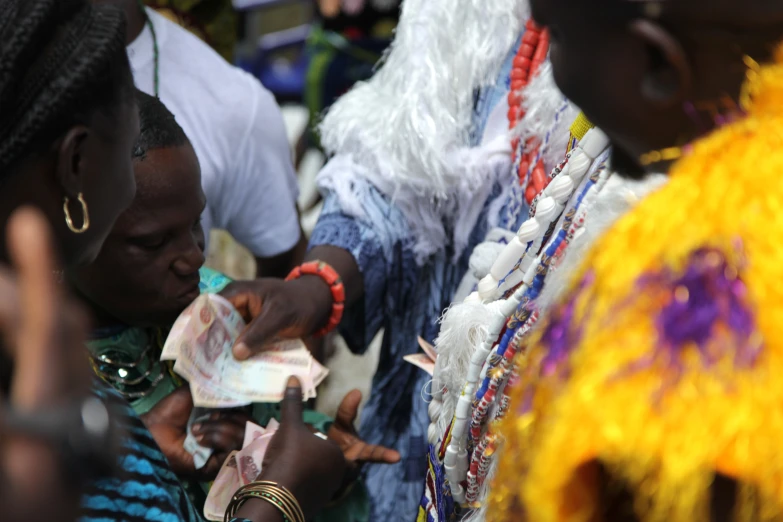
(166, 179)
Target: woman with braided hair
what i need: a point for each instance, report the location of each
(68, 121)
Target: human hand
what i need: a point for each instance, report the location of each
(308, 466)
(290, 310)
(44, 374)
(343, 433)
(223, 431)
(277, 309)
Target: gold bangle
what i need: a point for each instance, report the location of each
(289, 506)
(277, 495)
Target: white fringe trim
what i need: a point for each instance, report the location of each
(407, 129)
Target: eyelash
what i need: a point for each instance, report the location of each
(162, 241)
(154, 246)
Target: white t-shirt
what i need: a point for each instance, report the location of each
(237, 131)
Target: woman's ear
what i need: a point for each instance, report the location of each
(668, 78)
(70, 156)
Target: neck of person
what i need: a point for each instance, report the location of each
(136, 18)
(100, 317)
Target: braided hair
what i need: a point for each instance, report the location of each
(60, 61)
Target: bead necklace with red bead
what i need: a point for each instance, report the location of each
(531, 54)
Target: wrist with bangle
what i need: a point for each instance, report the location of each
(271, 492)
(329, 276)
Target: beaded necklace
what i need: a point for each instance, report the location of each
(133, 378)
(496, 379)
(491, 363)
(531, 54)
(155, 51)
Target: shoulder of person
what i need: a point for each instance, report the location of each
(228, 94)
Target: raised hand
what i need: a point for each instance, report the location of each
(46, 377)
(343, 433)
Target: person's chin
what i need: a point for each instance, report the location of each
(188, 296)
(625, 166)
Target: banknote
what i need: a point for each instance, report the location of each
(428, 349)
(423, 361)
(240, 468)
(200, 344)
(251, 458)
(223, 488)
(254, 431)
(200, 453)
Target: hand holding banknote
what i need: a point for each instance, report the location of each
(222, 432)
(310, 467)
(201, 342)
(288, 454)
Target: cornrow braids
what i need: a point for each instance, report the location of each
(158, 127)
(60, 61)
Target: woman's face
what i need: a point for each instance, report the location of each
(106, 180)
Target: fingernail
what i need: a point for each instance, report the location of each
(241, 352)
(196, 428)
(293, 382)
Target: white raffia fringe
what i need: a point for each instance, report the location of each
(463, 329)
(407, 130)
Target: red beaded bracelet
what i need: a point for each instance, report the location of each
(331, 278)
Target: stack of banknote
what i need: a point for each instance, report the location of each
(240, 468)
(201, 343)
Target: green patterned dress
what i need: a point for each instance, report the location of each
(128, 358)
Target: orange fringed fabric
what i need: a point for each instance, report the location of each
(620, 373)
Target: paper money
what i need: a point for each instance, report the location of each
(428, 349)
(200, 453)
(201, 342)
(240, 468)
(423, 361)
(254, 431)
(223, 488)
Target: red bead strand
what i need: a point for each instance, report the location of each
(530, 55)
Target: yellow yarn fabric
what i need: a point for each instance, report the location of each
(580, 126)
(618, 397)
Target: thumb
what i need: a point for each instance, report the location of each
(349, 407)
(265, 323)
(256, 336)
(292, 406)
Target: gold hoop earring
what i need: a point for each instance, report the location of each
(85, 215)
